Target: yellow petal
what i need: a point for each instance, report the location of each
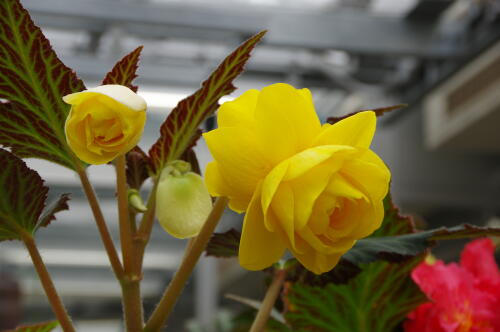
(340, 187)
(259, 248)
(282, 206)
(323, 244)
(295, 167)
(269, 187)
(314, 261)
(308, 187)
(286, 121)
(319, 218)
(355, 219)
(120, 93)
(238, 112)
(356, 130)
(372, 179)
(218, 187)
(307, 159)
(239, 159)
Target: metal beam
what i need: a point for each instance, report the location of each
(354, 31)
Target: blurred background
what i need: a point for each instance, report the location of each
(442, 57)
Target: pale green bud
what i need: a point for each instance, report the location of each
(135, 200)
(182, 200)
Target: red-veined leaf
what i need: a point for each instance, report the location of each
(180, 129)
(33, 80)
(22, 199)
(124, 71)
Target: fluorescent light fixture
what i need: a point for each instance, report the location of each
(156, 99)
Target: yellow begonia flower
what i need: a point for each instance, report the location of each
(104, 122)
(312, 189)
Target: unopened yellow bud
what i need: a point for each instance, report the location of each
(182, 200)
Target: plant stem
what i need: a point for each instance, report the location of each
(146, 226)
(101, 224)
(132, 303)
(128, 254)
(267, 305)
(48, 285)
(193, 253)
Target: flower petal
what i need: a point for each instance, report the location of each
(356, 130)
(269, 187)
(239, 159)
(314, 261)
(218, 187)
(238, 112)
(259, 248)
(307, 159)
(372, 179)
(120, 93)
(478, 257)
(286, 120)
(282, 206)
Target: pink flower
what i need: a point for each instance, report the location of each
(463, 298)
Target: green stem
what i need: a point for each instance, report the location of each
(268, 303)
(146, 226)
(132, 303)
(101, 224)
(48, 285)
(193, 253)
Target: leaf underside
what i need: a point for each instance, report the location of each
(180, 130)
(41, 327)
(33, 81)
(23, 197)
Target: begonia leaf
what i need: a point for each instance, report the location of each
(22, 202)
(40, 327)
(377, 298)
(124, 72)
(398, 248)
(180, 130)
(224, 244)
(33, 81)
(138, 167)
(378, 111)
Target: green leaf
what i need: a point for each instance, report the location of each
(224, 244)
(124, 71)
(41, 327)
(377, 300)
(378, 111)
(33, 80)
(398, 248)
(180, 130)
(23, 197)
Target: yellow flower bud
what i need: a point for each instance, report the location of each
(182, 201)
(104, 122)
